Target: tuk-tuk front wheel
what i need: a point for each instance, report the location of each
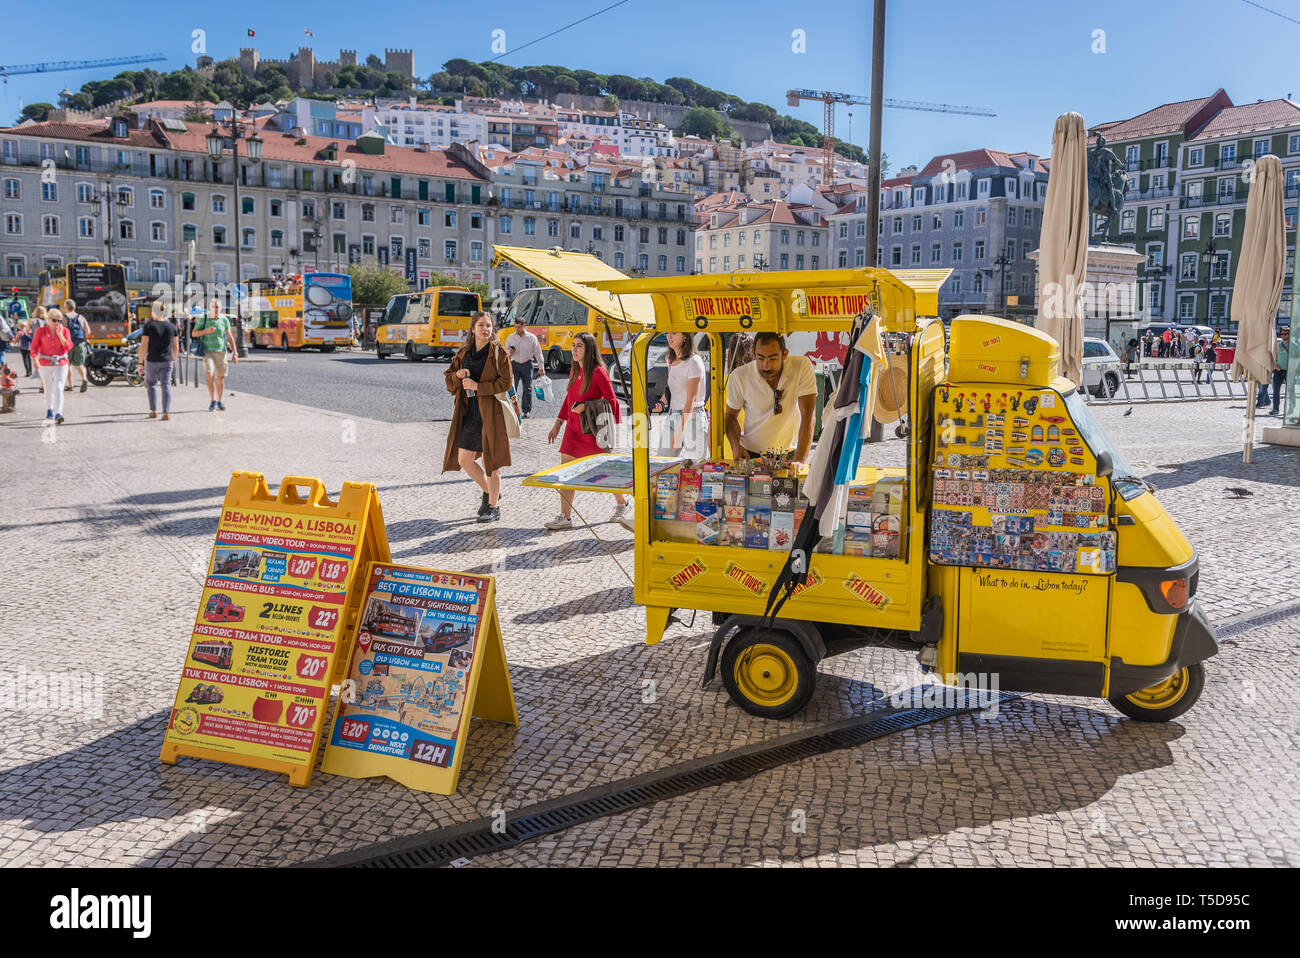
(767, 673)
(1165, 700)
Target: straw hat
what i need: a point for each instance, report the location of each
(891, 390)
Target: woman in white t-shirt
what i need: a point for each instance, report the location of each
(685, 430)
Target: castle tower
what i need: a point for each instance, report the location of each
(307, 68)
(399, 61)
(248, 61)
(347, 58)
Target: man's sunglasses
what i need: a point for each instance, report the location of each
(776, 400)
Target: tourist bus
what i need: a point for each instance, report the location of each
(220, 608)
(432, 323)
(311, 310)
(388, 622)
(99, 290)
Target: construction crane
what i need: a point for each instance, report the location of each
(793, 98)
(54, 66)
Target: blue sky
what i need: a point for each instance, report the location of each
(1028, 61)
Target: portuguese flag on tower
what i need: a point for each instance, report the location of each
(252, 32)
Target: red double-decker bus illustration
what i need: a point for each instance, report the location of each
(215, 653)
(220, 608)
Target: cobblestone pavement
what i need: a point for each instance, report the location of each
(111, 526)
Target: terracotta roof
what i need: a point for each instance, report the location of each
(897, 181)
(1166, 118)
(971, 160)
(96, 132)
(284, 146)
(1250, 118)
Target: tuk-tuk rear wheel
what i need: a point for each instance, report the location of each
(767, 673)
(1165, 700)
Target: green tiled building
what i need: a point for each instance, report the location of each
(1185, 201)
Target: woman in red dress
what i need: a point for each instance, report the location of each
(588, 380)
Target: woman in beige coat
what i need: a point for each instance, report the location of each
(477, 374)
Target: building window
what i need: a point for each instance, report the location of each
(1128, 221)
(1221, 265)
(598, 233)
(936, 221)
(1187, 269)
(978, 285)
(449, 219)
(618, 260)
(449, 250)
(1288, 217)
(785, 261)
(86, 193)
(504, 225)
(981, 216)
(189, 233)
(1191, 227)
(916, 224)
(1156, 218)
(979, 249)
(898, 224)
(218, 236)
(1186, 307)
(248, 238)
(395, 246)
(277, 239)
(530, 226)
(50, 192)
(984, 187)
(476, 251)
(956, 252)
(158, 271)
(337, 211)
(575, 231)
(936, 253)
(125, 196)
(86, 227)
(126, 229)
(1222, 224)
(896, 256)
(916, 254)
(958, 219)
(395, 215)
(1011, 249)
(367, 244)
(423, 247)
(367, 212)
(1155, 256)
(158, 232)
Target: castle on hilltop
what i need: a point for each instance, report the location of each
(305, 72)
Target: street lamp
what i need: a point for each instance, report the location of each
(1208, 258)
(316, 234)
(1002, 262)
(104, 204)
(216, 149)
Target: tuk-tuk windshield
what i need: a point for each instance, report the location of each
(1123, 479)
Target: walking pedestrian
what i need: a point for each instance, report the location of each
(1281, 366)
(588, 382)
(79, 330)
(25, 346)
(525, 356)
(217, 336)
(159, 350)
(38, 320)
(477, 375)
(51, 345)
(1165, 340)
(7, 335)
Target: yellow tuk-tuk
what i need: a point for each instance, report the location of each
(1007, 537)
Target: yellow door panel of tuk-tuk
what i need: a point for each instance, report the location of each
(1154, 539)
(1035, 615)
(1137, 635)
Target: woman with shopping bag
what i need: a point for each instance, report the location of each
(588, 384)
(480, 379)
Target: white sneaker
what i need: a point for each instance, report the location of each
(558, 523)
(620, 510)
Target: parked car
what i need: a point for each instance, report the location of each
(1101, 368)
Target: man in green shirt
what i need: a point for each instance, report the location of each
(1280, 367)
(216, 334)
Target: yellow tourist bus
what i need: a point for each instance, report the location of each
(311, 310)
(432, 323)
(566, 305)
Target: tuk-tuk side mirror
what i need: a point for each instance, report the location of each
(1105, 464)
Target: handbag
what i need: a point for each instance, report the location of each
(508, 410)
(542, 388)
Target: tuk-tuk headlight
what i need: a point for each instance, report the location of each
(1175, 592)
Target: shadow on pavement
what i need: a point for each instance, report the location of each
(1276, 465)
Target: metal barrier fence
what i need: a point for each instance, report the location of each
(1170, 381)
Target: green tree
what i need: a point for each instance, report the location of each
(374, 285)
(35, 111)
(611, 102)
(374, 62)
(703, 122)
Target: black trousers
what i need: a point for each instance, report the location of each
(1279, 378)
(524, 374)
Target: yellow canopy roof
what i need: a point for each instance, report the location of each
(575, 274)
(924, 283)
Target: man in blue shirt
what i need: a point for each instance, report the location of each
(1281, 366)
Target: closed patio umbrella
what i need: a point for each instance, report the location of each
(1257, 290)
(1063, 245)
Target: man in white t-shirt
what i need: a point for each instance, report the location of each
(777, 392)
